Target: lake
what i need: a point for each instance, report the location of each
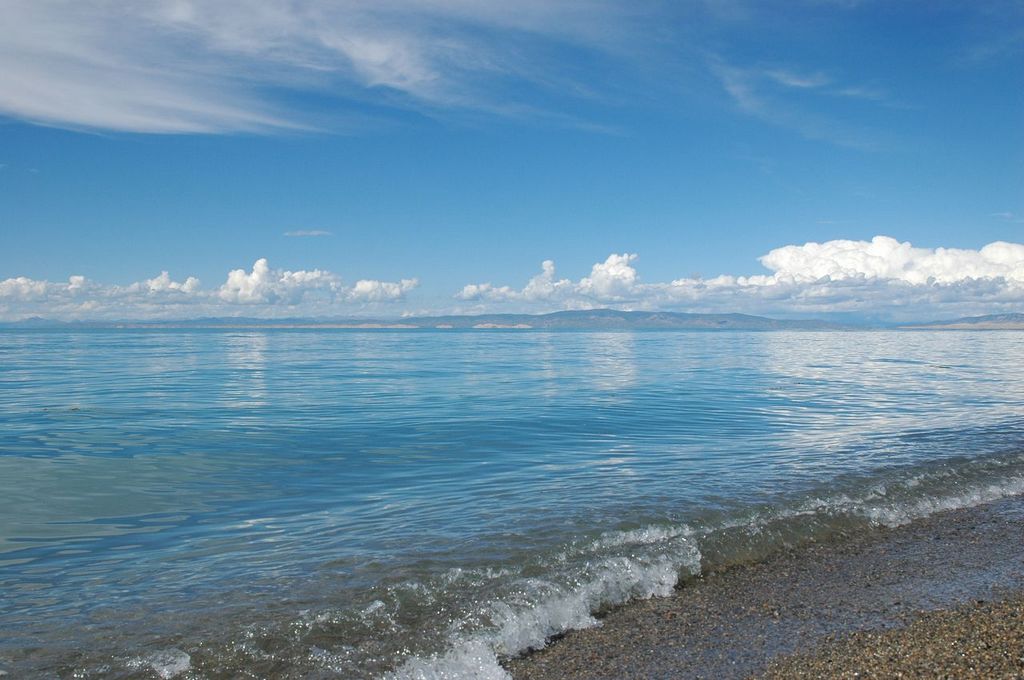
(418, 504)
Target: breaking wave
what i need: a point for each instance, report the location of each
(650, 561)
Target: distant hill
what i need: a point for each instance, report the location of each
(32, 322)
(992, 322)
(610, 319)
(593, 319)
(590, 319)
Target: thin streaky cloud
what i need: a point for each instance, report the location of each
(1002, 45)
(750, 91)
(860, 92)
(801, 81)
(100, 66)
(308, 233)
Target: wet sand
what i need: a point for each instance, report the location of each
(808, 601)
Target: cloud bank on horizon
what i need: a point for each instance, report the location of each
(261, 291)
(881, 278)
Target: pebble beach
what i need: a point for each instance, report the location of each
(978, 640)
(939, 597)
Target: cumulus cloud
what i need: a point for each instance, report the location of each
(24, 289)
(163, 282)
(370, 290)
(543, 286)
(81, 297)
(886, 258)
(613, 279)
(261, 290)
(487, 291)
(265, 285)
(880, 277)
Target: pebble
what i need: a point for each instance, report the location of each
(983, 640)
(797, 614)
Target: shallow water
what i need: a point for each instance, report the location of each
(320, 503)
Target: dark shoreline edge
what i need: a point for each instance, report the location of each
(733, 623)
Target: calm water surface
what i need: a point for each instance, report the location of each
(322, 503)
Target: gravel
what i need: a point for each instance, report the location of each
(734, 623)
(982, 640)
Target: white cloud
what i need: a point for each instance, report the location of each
(542, 287)
(370, 290)
(488, 292)
(886, 258)
(881, 277)
(261, 291)
(545, 285)
(24, 289)
(798, 80)
(163, 282)
(216, 66)
(265, 285)
(206, 66)
(99, 65)
(613, 279)
(1007, 216)
(767, 94)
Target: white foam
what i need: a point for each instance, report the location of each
(167, 663)
(546, 609)
(643, 536)
(615, 580)
(467, 659)
(897, 515)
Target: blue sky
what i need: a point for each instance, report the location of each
(443, 149)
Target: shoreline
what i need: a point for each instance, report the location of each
(736, 622)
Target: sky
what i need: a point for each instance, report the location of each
(285, 158)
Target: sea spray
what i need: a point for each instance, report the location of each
(746, 536)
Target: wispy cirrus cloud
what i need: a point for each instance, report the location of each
(1007, 216)
(766, 93)
(227, 66)
(213, 66)
(803, 81)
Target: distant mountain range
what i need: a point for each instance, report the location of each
(610, 319)
(594, 319)
(591, 319)
(992, 322)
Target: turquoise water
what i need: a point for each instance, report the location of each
(319, 503)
